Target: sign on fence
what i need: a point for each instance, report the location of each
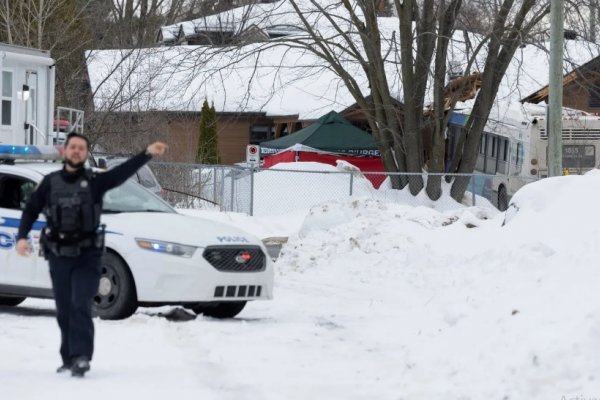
(253, 154)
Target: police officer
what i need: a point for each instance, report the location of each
(71, 200)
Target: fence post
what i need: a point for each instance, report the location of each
(199, 180)
(232, 177)
(251, 191)
(351, 182)
(473, 189)
(222, 186)
(214, 183)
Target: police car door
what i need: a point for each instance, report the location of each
(14, 269)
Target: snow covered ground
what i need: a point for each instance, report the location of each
(373, 300)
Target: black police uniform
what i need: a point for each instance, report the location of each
(73, 245)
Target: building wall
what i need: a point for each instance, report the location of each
(127, 133)
(233, 131)
(577, 96)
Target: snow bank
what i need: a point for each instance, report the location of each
(457, 305)
(373, 300)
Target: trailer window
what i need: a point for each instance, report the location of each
(7, 97)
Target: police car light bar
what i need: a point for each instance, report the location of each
(20, 152)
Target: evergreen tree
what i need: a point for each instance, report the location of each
(208, 141)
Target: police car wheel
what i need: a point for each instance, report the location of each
(116, 297)
(220, 310)
(11, 301)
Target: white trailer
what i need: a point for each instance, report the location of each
(27, 95)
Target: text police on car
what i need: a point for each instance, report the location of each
(71, 200)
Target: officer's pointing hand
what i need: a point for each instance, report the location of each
(157, 148)
(23, 247)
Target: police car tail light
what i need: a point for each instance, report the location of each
(175, 249)
(10, 152)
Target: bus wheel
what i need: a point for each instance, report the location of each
(502, 199)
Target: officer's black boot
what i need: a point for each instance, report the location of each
(80, 366)
(63, 368)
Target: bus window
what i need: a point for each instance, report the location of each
(482, 143)
(519, 153)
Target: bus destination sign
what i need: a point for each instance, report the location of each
(579, 156)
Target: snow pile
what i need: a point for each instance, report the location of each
(373, 300)
(455, 304)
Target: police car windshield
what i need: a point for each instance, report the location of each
(131, 197)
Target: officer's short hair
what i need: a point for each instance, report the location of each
(77, 135)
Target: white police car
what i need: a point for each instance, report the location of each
(154, 256)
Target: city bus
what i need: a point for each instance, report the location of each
(580, 143)
(513, 153)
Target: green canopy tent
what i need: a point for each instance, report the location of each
(331, 133)
(329, 140)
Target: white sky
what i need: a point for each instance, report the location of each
(373, 300)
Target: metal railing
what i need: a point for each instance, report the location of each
(274, 191)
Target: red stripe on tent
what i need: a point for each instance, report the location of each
(365, 164)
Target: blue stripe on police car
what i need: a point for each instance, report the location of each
(14, 223)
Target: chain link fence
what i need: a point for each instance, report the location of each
(274, 191)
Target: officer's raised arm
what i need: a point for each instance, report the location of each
(116, 176)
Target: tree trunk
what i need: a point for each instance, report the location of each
(40, 25)
(438, 149)
(502, 50)
(409, 144)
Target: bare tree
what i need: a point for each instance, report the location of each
(134, 23)
(425, 29)
(506, 37)
(383, 60)
(54, 25)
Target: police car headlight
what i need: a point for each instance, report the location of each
(175, 249)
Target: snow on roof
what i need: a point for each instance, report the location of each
(168, 33)
(188, 28)
(282, 79)
(271, 78)
(279, 14)
(283, 30)
(275, 81)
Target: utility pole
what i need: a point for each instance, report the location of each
(592, 26)
(555, 95)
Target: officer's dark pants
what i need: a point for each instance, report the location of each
(75, 282)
